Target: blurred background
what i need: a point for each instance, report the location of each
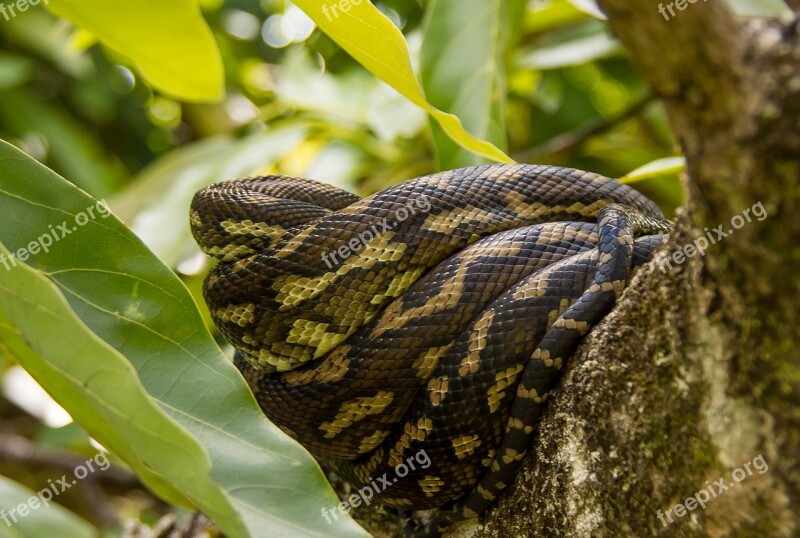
(556, 87)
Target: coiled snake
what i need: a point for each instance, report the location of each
(434, 315)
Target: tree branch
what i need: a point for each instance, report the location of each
(696, 371)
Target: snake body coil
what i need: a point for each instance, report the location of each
(432, 316)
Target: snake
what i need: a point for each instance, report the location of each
(433, 317)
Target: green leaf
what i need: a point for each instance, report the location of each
(50, 520)
(14, 70)
(99, 309)
(72, 149)
(98, 398)
(169, 42)
(589, 7)
(371, 38)
(463, 71)
(548, 15)
(659, 167)
(149, 204)
(576, 52)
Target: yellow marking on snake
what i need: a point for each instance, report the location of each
(411, 433)
(309, 333)
(503, 379)
(449, 221)
(558, 234)
(534, 210)
(371, 442)
(230, 252)
(487, 461)
(512, 455)
(293, 290)
(279, 362)
(531, 289)
(517, 424)
(470, 364)
(239, 314)
(544, 355)
(399, 284)
(437, 389)
(195, 219)
(294, 243)
(553, 315)
(530, 394)
(331, 370)
(465, 446)
(355, 410)
(430, 485)
(450, 294)
(248, 227)
(485, 493)
(569, 323)
(426, 363)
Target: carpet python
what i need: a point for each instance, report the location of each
(433, 315)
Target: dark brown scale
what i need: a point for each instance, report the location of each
(488, 199)
(502, 314)
(386, 361)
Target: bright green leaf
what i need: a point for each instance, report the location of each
(549, 15)
(590, 7)
(52, 520)
(101, 398)
(579, 51)
(149, 204)
(371, 38)
(660, 167)
(463, 72)
(99, 301)
(169, 42)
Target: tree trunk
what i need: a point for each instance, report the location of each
(695, 374)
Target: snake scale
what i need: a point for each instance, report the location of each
(434, 315)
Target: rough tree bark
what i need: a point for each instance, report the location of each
(695, 372)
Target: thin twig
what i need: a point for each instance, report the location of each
(577, 137)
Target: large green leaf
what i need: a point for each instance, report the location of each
(169, 42)
(156, 204)
(371, 38)
(100, 286)
(52, 520)
(101, 398)
(462, 70)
